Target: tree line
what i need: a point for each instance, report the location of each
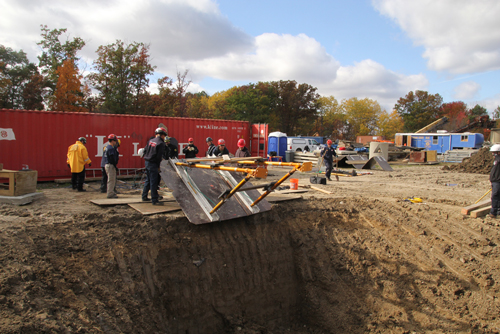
(119, 80)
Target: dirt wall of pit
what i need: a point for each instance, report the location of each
(311, 266)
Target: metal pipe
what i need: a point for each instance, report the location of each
(231, 193)
(274, 186)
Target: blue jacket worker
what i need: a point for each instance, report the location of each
(153, 154)
(328, 153)
(495, 182)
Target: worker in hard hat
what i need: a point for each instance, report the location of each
(110, 159)
(171, 151)
(221, 148)
(77, 158)
(495, 182)
(242, 151)
(190, 151)
(211, 147)
(328, 153)
(153, 154)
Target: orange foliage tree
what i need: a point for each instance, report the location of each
(68, 95)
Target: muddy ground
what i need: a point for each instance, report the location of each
(361, 260)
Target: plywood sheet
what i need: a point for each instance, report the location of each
(281, 198)
(125, 200)
(210, 184)
(149, 209)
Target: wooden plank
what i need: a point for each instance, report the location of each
(119, 177)
(284, 192)
(468, 209)
(150, 209)
(25, 182)
(274, 198)
(322, 190)
(125, 200)
(480, 212)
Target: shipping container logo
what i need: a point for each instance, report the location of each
(7, 134)
(211, 127)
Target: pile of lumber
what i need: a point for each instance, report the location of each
(306, 157)
(479, 209)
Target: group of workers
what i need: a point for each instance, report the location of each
(157, 149)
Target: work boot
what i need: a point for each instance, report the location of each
(81, 190)
(328, 179)
(157, 203)
(489, 215)
(113, 196)
(146, 199)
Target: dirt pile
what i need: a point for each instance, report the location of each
(479, 163)
(319, 265)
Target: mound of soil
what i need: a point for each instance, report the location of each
(479, 163)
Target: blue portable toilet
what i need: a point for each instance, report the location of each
(277, 143)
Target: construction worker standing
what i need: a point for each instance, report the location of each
(242, 151)
(328, 153)
(153, 154)
(110, 159)
(190, 151)
(495, 182)
(221, 149)
(171, 151)
(77, 158)
(211, 147)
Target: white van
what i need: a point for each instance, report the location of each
(299, 144)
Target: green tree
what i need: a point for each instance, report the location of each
(17, 74)
(496, 113)
(121, 76)
(296, 107)
(418, 109)
(476, 111)
(55, 53)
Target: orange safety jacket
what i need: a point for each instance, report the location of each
(78, 157)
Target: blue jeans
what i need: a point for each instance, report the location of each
(152, 181)
(495, 198)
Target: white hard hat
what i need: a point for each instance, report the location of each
(495, 148)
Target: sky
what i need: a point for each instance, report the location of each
(377, 49)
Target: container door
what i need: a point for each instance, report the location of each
(258, 140)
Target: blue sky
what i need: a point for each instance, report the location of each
(380, 49)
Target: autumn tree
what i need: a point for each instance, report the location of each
(418, 109)
(68, 95)
(389, 124)
(197, 105)
(361, 116)
(331, 121)
(21, 86)
(456, 112)
(55, 53)
(121, 76)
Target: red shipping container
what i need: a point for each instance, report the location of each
(39, 140)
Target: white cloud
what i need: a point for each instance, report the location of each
(459, 36)
(176, 29)
(194, 35)
(275, 57)
(466, 90)
(370, 79)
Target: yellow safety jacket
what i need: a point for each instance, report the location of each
(78, 157)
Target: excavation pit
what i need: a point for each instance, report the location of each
(310, 266)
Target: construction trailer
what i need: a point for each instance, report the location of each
(441, 141)
(39, 140)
